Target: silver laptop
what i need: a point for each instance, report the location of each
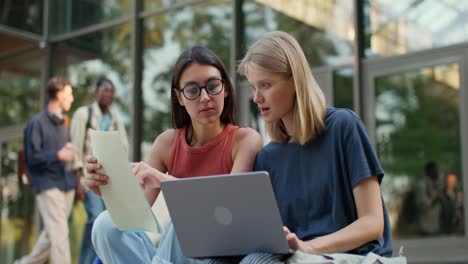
(225, 215)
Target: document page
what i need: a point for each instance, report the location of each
(123, 196)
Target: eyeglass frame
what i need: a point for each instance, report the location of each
(201, 87)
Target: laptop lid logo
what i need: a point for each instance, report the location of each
(222, 215)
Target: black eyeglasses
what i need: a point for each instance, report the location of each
(192, 91)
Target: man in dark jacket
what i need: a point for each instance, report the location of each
(48, 156)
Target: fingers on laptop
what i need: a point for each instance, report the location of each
(292, 239)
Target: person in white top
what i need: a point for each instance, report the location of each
(100, 115)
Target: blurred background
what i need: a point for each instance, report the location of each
(400, 64)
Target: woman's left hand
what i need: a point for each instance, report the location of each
(295, 243)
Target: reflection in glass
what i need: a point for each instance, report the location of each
(19, 218)
(151, 5)
(23, 15)
(418, 142)
(86, 59)
(73, 15)
(343, 86)
(398, 27)
(15, 45)
(19, 88)
(324, 29)
(17, 206)
(166, 36)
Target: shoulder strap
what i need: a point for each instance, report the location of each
(88, 125)
(90, 113)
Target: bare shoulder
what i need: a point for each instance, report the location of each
(247, 144)
(165, 139)
(160, 151)
(248, 137)
(246, 132)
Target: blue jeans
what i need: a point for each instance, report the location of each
(94, 206)
(115, 246)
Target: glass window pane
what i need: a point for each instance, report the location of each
(19, 216)
(398, 27)
(86, 59)
(343, 85)
(72, 15)
(151, 5)
(166, 37)
(83, 61)
(12, 45)
(20, 87)
(17, 206)
(23, 14)
(324, 29)
(418, 142)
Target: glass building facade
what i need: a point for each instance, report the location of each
(401, 65)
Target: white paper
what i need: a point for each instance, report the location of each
(124, 198)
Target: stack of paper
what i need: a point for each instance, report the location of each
(124, 199)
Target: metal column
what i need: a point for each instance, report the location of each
(237, 52)
(137, 94)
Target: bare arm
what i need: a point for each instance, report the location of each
(368, 227)
(157, 159)
(247, 143)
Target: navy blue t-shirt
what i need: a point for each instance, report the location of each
(314, 182)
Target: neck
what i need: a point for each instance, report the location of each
(202, 134)
(54, 107)
(288, 122)
(104, 109)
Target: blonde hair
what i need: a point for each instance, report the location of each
(280, 53)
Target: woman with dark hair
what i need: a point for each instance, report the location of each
(205, 141)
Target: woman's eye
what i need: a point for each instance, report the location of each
(192, 89)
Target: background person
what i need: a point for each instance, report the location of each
(451, 211)
(48, 154)
(99, 115)
(428, 201)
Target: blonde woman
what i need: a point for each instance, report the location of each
(324, 170)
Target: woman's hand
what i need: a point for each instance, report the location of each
(147, 176)
(93, 179)
(295, 243)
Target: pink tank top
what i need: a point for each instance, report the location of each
(215, 157)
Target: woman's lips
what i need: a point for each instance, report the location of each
(264, 110)
(206, 109)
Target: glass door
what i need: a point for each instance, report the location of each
(414, 110)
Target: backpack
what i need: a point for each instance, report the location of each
(24, 178)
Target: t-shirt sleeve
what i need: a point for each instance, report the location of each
(360, 157)
(259, 166)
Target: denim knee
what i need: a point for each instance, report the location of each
(103, 230)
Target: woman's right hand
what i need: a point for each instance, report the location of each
(93, 179)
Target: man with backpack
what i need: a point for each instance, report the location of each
(48, 156)
(99, 115)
